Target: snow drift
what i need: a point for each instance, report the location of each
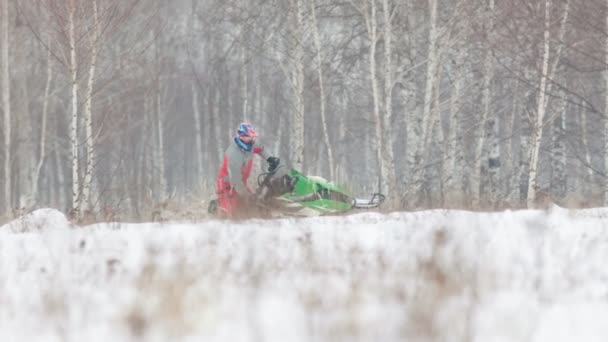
(423, 276)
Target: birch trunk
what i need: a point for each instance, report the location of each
(377, 142)
(549, 72)
(487, 123)
(453, 150)
(88, 114)
(431, 81)
(43, 128)
(245, 84)
(588, 170)
(413, 122)
(388, 172)
(6, 106)
(217, 126)
(198, 149)
(510, 161)
(297, 124)
(605, 114)
(75, 116)
(317, 41)
(25, 160)
(540, 111)
(61, 199)
(159, 161)
(558, 153)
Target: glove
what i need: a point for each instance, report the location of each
(273, 163)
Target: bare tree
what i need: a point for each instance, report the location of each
(6, 106)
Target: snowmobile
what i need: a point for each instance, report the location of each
(286, 191)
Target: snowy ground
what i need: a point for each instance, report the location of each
(424, 276)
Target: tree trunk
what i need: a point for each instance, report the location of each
(388, 160)
(317, 41)
(371, 23)
(198, 149)
(453, 150)
(159, 160)
(245, 83)
(297, 124)
(487, 122)
(588, 169)
(427, 117)
(510, 161)
(549, 72)
(6, 106)
(88, 115)
(43, 128)
(75, 117)
(606, 113)
(540, 111)
(558, 152)
(220, 139)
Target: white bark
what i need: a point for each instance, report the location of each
(493, 160)
(413, 119)
(297, 124)
(245, 81)
(25, 156)
(587, 154)
(198, 149)
(540, 110)
(427, 121)
(549, 71)
(372, 31)
(60, 187)
(388, 172)
(216, 115)
(487, 122)
(87, 185)
(6, 106)
(558, 152)
(317, 41)
(606, 114)
(511, 184)
(159, 160)
(453, 171)
(431, 73)
(43, 129)
(74, 122)
(369, 13)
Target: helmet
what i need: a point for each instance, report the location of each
(246, 135)
(246, 130)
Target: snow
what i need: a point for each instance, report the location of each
(439, 275)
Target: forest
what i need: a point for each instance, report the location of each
(115, 108)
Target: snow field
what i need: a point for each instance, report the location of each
(423, 276)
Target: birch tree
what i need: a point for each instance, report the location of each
(43, 129)
(295, 70)
(548, 71)
(6, 106)
(322, 100)
(73, 66)
(605, 75)
(368, 9)
(388, 167)
(488, 123)
(93, 38)
(432, 64)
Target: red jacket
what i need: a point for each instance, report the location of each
(236, 168)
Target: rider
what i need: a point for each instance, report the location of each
(232, 190)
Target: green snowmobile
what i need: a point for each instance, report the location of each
(288, 192)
